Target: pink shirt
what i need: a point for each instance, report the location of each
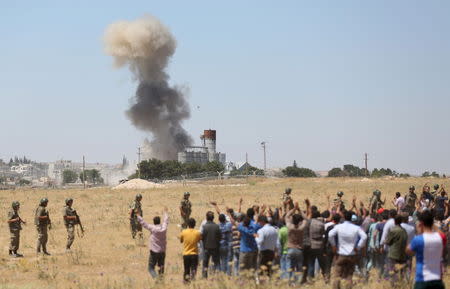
(158, 238)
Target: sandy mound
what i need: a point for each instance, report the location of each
(138, 184)
(365, 180)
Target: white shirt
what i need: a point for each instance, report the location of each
(387, 227)
(267, 238)
(410, 230)
(349, 237)
(399, 203)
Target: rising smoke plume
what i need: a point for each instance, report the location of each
(146, 46)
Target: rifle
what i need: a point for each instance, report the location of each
(79, 223)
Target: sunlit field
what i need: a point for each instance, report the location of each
(107, 256)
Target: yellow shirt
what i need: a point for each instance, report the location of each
(190, 239)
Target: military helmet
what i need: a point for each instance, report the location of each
(412, 187)
(436, 186)
(43, 201)
(138, 196)
(377, 193)
(68, 200)
(340, 194)
(187, 194)
(288, 190)
(15, 204)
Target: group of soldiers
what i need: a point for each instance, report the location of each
(43, 223)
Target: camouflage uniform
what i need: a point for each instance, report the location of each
(375, 202)
(42, 227)
(14, 230)
(288, 203)
(410, 201)
(186, 208)
(68, 211)
(136, 227)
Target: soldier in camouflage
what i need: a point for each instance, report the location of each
(70, 220)
(43, 223)
(375, 202)
(15, 226)
(185, 209)
(410, 201)
(435, 193)
(288, 203)
(135, 210)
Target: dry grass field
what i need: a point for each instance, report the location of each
(107, 257)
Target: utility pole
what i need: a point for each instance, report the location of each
(365, 163)
(139, 162)
(84, 173)
(246, 158)
(263, 144)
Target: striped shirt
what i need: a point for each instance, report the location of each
(235, 237)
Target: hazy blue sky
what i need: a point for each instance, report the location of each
(321, 81)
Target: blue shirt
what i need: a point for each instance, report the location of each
(248, 242)
(225, 231)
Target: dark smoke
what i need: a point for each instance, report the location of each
(146, 46)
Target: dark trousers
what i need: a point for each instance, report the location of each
(156, 259)
(306, 257)
(438, 284)
(213, 254)
(266, 258)
(319, 255)
(190, 267)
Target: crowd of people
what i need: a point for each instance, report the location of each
(299, 241)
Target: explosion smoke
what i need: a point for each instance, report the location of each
(146, 45)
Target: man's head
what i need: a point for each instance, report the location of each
(412, 189)
(336, 218)
(209, 216)
(326, 214)
(246, 221)
(392, 213)
(340, 194)
(436, 187)
(222, 218)
(43, 202)
(251, 213)
(262, 220)
(398, 220)
(315, 214)
(191, 223)
(377, 193)
(138, 197)
(69, 202)
(15, 205)
(296, 219)
(157, 220)
(397, 195)
(426, 219)
(426, 189)
(186, 195)
(385, 215)
(288, 191)
(348, 215)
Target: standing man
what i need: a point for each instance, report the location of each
(435, 193)
(396, 239)
(43, 223)
(399, 202)
(15, 226)
(288, 203)
(185, 209)
(350, 240)
(190, 239)
(375, 202)
(248, 255)
(266, 239)
(211, 236)
(225, 244)
(296, 227)
(410, 200)
(158, 242)
(70, 220)
(428, 248)
(136, 210)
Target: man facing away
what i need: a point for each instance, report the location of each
(428, 248)
(296, 227)
(266, 239)
(190, 238)
(347, 235)
(396, 239)
(15, 226)
(158, 242)
(135, 210)
(225, 244)
(211, 236)
(43, 223)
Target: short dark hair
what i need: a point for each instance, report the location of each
(397, 194)
(250, 213)
(426, 217)
(314, 208)
(191, 223)
(336, 218)
(157, 220)
(296, 219)
(315, 214)
(209, 216)
(326, 214)
(262, 219)
(398, 220)
(348, 215)
(385, 215)
(222, 218)
(392, 213)
(246, 221)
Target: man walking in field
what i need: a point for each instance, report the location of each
(14, 222)
(190, 238)
(158, 242)
(211, 236)
(185, 209)
(70, 220)
(135, 210)
(43, 223)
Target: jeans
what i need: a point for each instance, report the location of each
(190, 267)
(235, 256)
(294, 263)
(224, 260)
(214, 254)
(156, 259)
(284, 266)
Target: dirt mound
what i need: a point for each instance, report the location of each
(138, 184)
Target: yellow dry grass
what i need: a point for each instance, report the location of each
(107, 257)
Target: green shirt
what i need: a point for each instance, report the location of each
(283, 237)
(397, 239)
